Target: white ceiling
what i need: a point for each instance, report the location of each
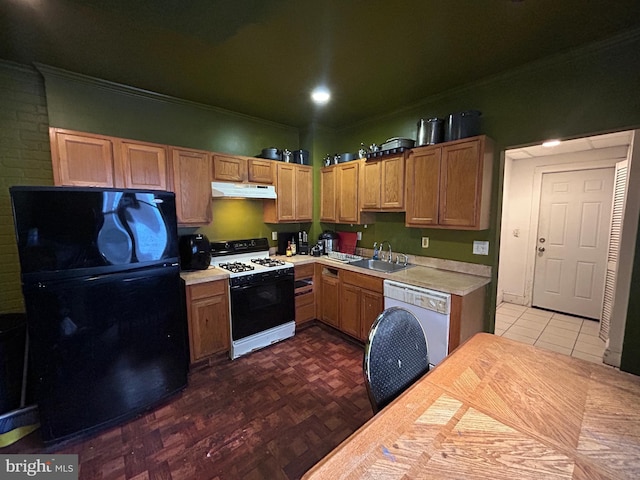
(616, 139)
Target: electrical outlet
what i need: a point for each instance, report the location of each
(359, 235)
(425, 242)
(480, 248)
(274, 235)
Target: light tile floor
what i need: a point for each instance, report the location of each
(561, 333)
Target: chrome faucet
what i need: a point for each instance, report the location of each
(390, 253)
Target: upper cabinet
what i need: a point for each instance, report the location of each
(382, 184)
(82, 159)
(449, 185)
(260, 171)
(242, 169)
(328, 195)
(144, 165)
(340, 194)
(294, 190)
(191, 173)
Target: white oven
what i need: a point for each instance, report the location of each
(431, 308)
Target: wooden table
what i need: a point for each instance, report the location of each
(500, 409)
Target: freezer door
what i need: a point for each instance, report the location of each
(81, 231)
(104, 348)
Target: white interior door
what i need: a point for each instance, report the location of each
(573, 228)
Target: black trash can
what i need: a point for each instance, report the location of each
(13, 333)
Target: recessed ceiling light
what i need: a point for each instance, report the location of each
(551, 143)
(321, 96)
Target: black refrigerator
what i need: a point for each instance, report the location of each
(104, 304)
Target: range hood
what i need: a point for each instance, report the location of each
(242, 190)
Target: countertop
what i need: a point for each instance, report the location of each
(500, 409)
(447, 281)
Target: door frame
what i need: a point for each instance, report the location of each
(535, 212)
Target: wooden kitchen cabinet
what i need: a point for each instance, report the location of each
(83, 160)
(90, 160)
(227, 168)
(449, 185)
(347, 194)
(191, 171)
(208, 318)
(328, 195)
(144, 165)
(294, 190)
(361, 303)
(382, 184)
(329, 302)
(347, 182)
(260, 171)
(305, 293)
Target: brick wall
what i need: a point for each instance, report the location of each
(25, 159)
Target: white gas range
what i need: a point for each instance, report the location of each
(261, 291)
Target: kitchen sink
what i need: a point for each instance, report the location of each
(379, 265)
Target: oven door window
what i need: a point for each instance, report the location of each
(256, 308)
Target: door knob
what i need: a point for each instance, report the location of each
(541, 249)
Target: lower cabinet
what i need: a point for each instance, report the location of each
(361, 303)
(208, 318)
(329, 301)
(349, 301)
(305, 293)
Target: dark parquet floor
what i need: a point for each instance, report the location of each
(268, 415)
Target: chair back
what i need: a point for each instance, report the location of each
(396, 355)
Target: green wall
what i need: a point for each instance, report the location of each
(25, 159)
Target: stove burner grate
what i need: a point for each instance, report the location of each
(268, 262)
(236, 267)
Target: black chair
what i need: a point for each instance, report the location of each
(395, 356)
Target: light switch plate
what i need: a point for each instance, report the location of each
(480, 248)
(274, 235)
(425, 242)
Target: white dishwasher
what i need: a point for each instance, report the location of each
(430, 307)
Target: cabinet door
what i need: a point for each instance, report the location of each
(286, 192)
(422, 186)
(82, 161)
(350, 310)
(228, 168)
(144, 166)
(460, 184)
(304, 194)
(348, 207)
(392, 183)
(192, 184)
(260, 171)
(371, 305)
(330, 297)
(208, 319)
(328, 200)
(370, 186)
